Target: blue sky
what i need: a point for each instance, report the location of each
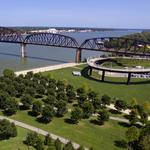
(76, 13)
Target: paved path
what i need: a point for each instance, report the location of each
(40, 131)
(127, 111)
(48, 68)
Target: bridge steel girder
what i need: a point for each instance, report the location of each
(8, 35)
(122, 46)
(50, 39)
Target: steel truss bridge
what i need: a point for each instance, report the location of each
(118, 45)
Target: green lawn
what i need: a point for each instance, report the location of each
(124, 62)
(15, 143)
(114, 87)
(86, 133)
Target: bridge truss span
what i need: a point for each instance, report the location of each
(118, 45)
(8, 35)
(50, 39)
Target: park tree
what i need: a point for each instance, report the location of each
(81, 91)
(43, 81)
(76, 115)
(102, 117)
(48, 140)
(120, 105)
(61, 108)
(58, 144)
(30, 91)
(140, 109)
(144, 117)
(81, 148)
(68, 146)
(88, 109)
(81, 99)
(144, 142)
(4, 96)
(69, 87)
(105, 100)
(146, 106)
(29, 75)
(132, 135)
(133, 103)
(47, 114)
(50, 100)
(20, 87)
(14, 130)
(11, 90)
(96, 104)
(40, 89)
(31, 138)
(133, 117)
(36, 108)
(27, 101)
(144, 139)
(10, 106)
(71, 96)
(92, 95)
(52, 86)
(60, 86)
(86, 87)
(62, 96)
(51, 91)
(39, 144)
(8, 73)
(7, 129)
(3, 86)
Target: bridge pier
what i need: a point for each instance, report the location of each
(90, 71)
(78, 55)
(23, 50)
(103, 76)
(129, 78)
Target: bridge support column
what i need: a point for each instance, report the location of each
(129, 78)
(103, 75)
(78, 55)
(90, 71)
(23, 50)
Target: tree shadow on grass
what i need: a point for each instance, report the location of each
(121, 143)
(41, 120)
(112, 111)
(124, 124)
(21, 107)
(75, 105)
(95, 122)
(5, 113)
(31, 113)
(68, 120)
(85, 71)
(126, 116)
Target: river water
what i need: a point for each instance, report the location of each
(40, 56)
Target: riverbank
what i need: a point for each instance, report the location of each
(48, 68)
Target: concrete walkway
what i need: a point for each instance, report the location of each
(40, 131)
(48, 68)
(127, 111)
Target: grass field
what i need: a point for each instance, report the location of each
(15, 143)
(114, 87)
(124, 62)
(86, 133)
